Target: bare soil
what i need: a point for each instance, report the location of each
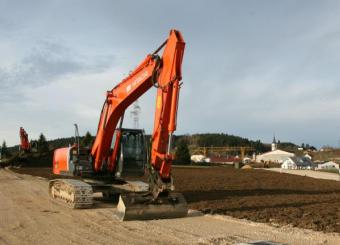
(256, 195)
(263, 196)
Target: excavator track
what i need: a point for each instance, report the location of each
(72, 193)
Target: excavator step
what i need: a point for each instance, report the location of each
(132, 206)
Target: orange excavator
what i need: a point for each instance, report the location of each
(118, 153)
(25, 145)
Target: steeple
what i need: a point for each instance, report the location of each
(274, 145)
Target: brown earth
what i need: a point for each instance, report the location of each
(256, 195)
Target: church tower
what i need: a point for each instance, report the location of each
(274, 144)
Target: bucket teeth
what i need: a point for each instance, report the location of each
(134, 206)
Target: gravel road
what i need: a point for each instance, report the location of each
(308, 173)
(28, 217)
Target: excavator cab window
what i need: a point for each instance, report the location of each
(133, 152)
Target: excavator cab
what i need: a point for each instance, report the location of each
(132, 156)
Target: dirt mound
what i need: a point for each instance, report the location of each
(34, 159)
(247, 167)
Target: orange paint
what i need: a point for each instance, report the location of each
(60, 160)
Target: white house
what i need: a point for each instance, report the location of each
(308, 156)
(246, 160)
(277, 156)
(197, 158)
(297, 163)
(289, 163)
(328, 165)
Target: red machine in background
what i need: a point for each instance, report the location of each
(118, 153)
(24, 142)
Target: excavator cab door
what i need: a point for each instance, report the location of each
(133, 153)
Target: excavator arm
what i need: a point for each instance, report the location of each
(164, 73)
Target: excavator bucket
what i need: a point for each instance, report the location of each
(134, 206)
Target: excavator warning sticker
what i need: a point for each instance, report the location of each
(138, 80)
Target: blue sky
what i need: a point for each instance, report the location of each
(251, 68)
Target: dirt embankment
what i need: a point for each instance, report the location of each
(256, 195)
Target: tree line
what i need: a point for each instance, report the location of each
(222, 139)
(40, 145)
(180, 145)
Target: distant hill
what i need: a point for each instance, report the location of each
(53, 144)
(222, 139)
(199, 140)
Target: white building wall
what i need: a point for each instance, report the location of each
(197, 158)
(277, 156)
(288, 164)
(328, 165)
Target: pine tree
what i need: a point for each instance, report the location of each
(87, 140)
(182, 154)
(42, 144)
(4, 150)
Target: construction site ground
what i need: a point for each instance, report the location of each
(264, 205)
